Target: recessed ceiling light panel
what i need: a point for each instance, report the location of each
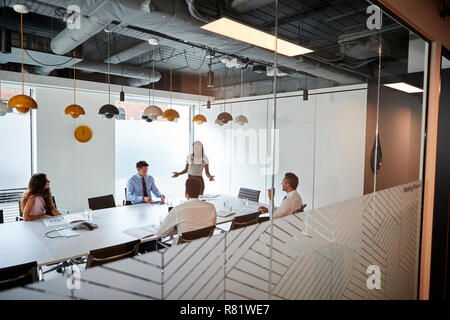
(238, 31)
(405, 87)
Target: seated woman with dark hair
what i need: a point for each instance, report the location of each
(37, 202)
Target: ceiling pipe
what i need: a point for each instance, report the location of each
(130, 53)
(172, 18)
(145, 74)
(243, 6)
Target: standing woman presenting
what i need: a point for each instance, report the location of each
(195, 163)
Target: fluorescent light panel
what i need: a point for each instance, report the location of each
(238, 31)
(402, 86)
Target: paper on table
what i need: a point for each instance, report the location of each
(249, 210)
(142, 232)
(223, 214)
(63, 219)
(67, 233)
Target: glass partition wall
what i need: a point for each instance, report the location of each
(326, 127)
(348, 119)
(366, 152)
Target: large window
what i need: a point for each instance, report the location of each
(16, 159)
(162, 144)
(15, 130)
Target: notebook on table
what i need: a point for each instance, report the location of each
(142, 232)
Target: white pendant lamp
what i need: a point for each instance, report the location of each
(152, 112)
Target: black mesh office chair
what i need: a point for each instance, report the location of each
(244, 221)
(102, 202)
(263, 219)
(113, 253)
(126, 202)
(19, 275)
(250, 194)
(301, 209)
(195, 234)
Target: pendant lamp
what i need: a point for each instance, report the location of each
(241, 119)
(199, 118)
(171, 114)
(152, 112)
(21, 102)
(74, 110)
(109, 111)
(225, 117)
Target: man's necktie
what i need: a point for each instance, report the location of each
(144, 187)
(284, 197)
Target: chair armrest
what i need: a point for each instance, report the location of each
(165, 243)
(221, 230)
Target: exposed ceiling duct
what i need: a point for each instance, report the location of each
(43, 63)
(145, 19)
(130, 53)
(172, 18)
(144, 74)
(243, 6)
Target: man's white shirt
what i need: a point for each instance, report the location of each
(291, 203)
(191, 215)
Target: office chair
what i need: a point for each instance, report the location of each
(113, 253)
(19, 275)
(263, 219)
(301, 209)
(244, 221)
(195, 234)
(250, 194)
(102, 202)
(126, 202)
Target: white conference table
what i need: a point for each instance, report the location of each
(25, 241)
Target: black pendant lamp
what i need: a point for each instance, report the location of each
(109, 111)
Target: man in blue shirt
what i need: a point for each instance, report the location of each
(140, 186)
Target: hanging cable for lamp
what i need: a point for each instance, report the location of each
(170, 96)
(22, 103)
(187, 63)
(29, 54)
(109, 79)
(74, 87)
